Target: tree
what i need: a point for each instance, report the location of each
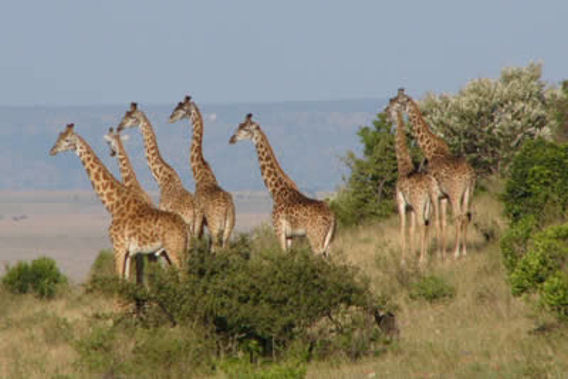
(487, 120)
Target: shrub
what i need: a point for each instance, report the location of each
(515, 240)
(102, 276)
(537, 183)
(41, 277)
(542, 269)
(265, 300)
(432, 288)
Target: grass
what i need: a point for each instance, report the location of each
(479, 331)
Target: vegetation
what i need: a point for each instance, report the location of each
(432, 288)
(40, 277)
(534, 253)
(537, 185)
(369, 190)
(487, 120)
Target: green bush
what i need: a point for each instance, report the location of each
(41, 277)
(542, 269)
(432, 288)
(537, 183)
(266, 300)
(515, 240)
(102, 276)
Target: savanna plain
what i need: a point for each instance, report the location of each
(468, 326)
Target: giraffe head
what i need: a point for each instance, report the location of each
(67, 141)
(112, 138)
(132, 118)
(392, 110)
(184, 109)
(403, 100)
(245, 130)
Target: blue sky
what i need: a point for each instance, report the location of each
(112, 52)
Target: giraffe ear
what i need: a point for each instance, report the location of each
(111, 130)
(133, 106)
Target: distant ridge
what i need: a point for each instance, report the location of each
(309, 137)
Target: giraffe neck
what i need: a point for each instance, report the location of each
(114, 196)
(274, 180)
(403, 159)
(202, 172)
(127, 172)
(432, 145)
(162, 172)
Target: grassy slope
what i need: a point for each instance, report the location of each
(482, 332)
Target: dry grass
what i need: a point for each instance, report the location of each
(482, 332)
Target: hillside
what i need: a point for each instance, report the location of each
(478, 330)
(308, 137)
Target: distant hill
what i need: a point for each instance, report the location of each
(309, 137)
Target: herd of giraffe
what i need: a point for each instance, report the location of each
(139, 227)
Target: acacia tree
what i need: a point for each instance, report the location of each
(488, 119)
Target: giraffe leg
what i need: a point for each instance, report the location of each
(435, 220)
(402, 213)
(199, 221)
(466, 217)
(412, 234)
(457, 216)
(423, 215)
(443, 223)
(139, 258)
(229, 225)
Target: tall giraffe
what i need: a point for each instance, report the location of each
(415, 190)
(213, 205)
(136, 227)
(114, 140)
(455, 177)
(293, 214)
(173, 196)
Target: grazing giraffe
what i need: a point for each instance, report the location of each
(455, 177)
(293, 214)
(214, 206)
(114, 140)
(415, 190)
(173, 196)
(136, 227)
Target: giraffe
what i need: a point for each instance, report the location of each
(415, 190)
(455, 177)
(213, 205)
(136, 227)
(114, 140)
(293, 214)
(173, 196)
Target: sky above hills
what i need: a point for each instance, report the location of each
(112, 52)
